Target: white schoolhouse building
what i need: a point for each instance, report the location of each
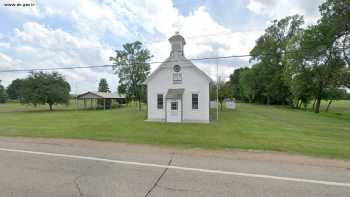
(178, 91)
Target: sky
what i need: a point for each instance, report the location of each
(51, 33)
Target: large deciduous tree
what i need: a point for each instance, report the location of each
(296, 74)
(14, 89)
(234, 83)
(268, 52)
(329, 48)
(42, 88)
(132, 67)
(3, 95)
(249, 85)
(347, 79)
(335, 17)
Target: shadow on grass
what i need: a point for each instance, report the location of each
(44, 110)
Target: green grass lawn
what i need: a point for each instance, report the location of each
(249, 127)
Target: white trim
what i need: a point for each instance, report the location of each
(195, 92)
(181, 63)
(162, 109)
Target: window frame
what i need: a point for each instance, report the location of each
(162, 101)
(195, 107)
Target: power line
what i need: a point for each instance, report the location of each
(103, 66)
(54, 68)
(154, 62)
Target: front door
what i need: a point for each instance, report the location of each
(173, 110)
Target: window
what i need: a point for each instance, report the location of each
(177, 78)
(177, 68)
(160, 101)
(194, 101)
(173, 106)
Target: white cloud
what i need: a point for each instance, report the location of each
(221, 42)
(42, 47)
(95, 19)
(277, 9)
(4, 45)
(161, 19)
(91, 18)
(6, 61)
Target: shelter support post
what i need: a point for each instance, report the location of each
(76, 103)
(104, 104)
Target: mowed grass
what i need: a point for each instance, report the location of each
(250, 126)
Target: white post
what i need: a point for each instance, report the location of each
(217, 90)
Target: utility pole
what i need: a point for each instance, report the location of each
(217, 90)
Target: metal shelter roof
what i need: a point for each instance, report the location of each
(105, 95)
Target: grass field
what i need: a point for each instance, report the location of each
(249, 127)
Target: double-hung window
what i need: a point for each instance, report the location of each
(194, 101)
(160, 101)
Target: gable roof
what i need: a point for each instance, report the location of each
(170, 61)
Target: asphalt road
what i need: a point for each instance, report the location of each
(49, 167)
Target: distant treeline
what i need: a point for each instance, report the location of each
(298, 66)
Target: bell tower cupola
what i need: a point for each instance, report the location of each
(177, 45)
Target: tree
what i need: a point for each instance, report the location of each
(324, 61)
(132, 67)
(13, 90)
(297, 75)
(225, 91)
(347, 79)
(295, 65)
(249, 86)
(42, 88)
(330, 40)
(3, 95)
(103, 86)
(268, 52)
(234, 83)
(317, 65)
(335, 17)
